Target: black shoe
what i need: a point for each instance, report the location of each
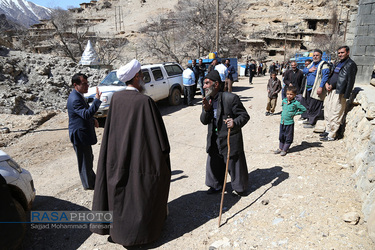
(309, 126)
(327, 138)
(267, 113)
(324, 134)
(212, 190)
(109, 239)
(238, 194)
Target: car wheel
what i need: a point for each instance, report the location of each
(22, 229)
(175, 97)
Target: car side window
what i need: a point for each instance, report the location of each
(173, 70)
(146, 76)
(158, 75)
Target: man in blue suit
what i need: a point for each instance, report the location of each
(82, 128)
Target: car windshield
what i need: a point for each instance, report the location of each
(111, 79)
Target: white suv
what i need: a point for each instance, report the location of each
(21, 188)
(162, 81)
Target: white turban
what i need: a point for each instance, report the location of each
(127, 72)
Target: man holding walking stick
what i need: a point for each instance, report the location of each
(222, 111)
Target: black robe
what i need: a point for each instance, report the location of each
(134, 172)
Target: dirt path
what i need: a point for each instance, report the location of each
(296, 202)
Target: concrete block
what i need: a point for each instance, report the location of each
(370, 50)
(364, 40)
(362, 30)
(358, 50)
(367, 19)
(364, 9)
(364, 60)
(371, 28)
(366, 2)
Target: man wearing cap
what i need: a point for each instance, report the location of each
(221, 111)
(82, 128)
(134, 172)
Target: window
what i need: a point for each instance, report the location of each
(173, 70)
(312, 24)
(146, 76)
(111, 79)
(158, 75)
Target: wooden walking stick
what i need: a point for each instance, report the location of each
(225, 178)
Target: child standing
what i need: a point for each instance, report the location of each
(273, 89)
(291, 108)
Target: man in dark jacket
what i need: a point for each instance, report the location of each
(82, 128)
(229, 78)
(293, 77)
(252, 71)
(339, 87)
(221, 111)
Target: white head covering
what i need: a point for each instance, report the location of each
(127, 72)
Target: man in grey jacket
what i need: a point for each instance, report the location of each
(339, 88)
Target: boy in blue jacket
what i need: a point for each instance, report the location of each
(291, 108)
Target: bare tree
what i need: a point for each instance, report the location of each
(110, 49)
(71, 36)
(191, 28)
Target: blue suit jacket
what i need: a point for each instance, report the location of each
(81, 119)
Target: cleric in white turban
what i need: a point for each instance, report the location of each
(127, 72)
(134, 172)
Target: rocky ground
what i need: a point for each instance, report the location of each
(299, 201)
(32, 83)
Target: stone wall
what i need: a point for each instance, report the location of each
(363, 51)
(360, 144)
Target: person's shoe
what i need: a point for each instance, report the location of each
(238, 194)
(309, 126)
(267, 113)
(212, 190)
(277, 151)
(283, 153)
(327, 138)
(305, 122)
(324, 134)
(109, 239)
(271, 114)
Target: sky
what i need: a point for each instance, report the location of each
(58, 3)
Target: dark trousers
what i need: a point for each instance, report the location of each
(189, 95)
(85, 158)
(302, 100)
(283, 92)
(314, 108)
(286, 136)
(215, 170)
(251, 78)
(200, 81)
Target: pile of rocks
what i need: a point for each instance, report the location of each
(360, 146)
(31, 83)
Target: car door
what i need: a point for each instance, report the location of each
(148, 80)
(160, 85)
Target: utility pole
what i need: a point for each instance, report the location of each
(217, 26)
(286, 30)
(115, 18)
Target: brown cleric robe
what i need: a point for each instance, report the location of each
(134, 172)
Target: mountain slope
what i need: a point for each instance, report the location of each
(23, 12)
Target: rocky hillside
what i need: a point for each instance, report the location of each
(31, 83)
